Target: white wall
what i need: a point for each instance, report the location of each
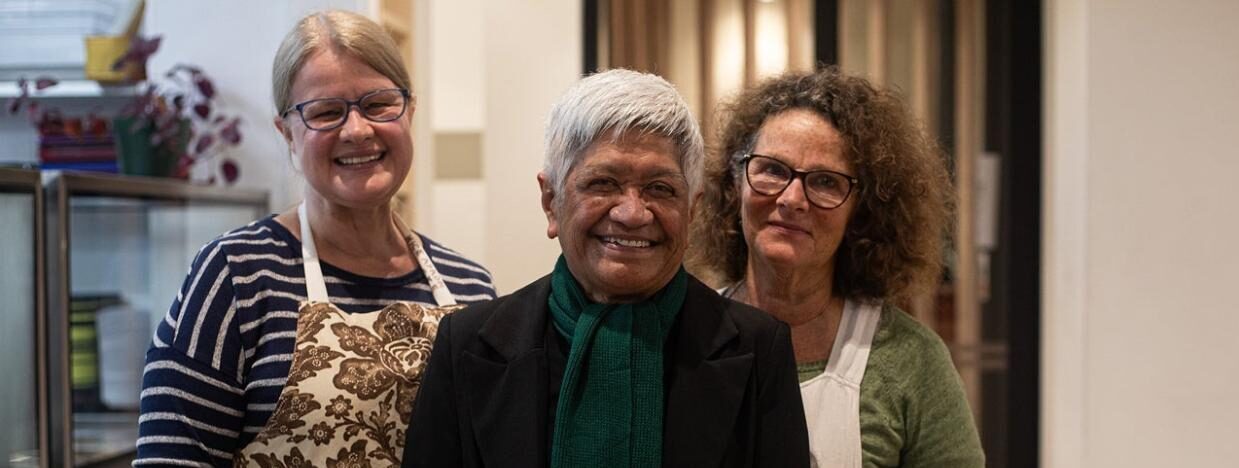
(454, 50)
(1140, 257)
(458, 74)
(533, 54)
(496, 68)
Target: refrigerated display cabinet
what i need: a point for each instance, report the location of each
(118, 250)
(22, 360)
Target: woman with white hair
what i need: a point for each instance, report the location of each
(618, 357)
(298, 340)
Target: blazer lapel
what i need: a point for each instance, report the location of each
(703, 398)
(507, 390)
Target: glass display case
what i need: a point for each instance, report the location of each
(120, 248)
(22, 360)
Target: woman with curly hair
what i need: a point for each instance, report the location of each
(826, 207)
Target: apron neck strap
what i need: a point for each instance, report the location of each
(850, 354)
(316, 286)
(443, 297)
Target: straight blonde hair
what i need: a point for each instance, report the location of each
(340, 31)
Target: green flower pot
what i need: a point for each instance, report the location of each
(135, 154)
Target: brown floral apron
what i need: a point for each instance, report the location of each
(353, 377)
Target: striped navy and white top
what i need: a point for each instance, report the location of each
(221, 356)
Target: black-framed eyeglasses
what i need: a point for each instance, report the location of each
(382, 105)
(824, 189)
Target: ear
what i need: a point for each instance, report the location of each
(548, 198)
(288, 141)
(284, 130)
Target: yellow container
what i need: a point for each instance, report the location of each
(102, 52)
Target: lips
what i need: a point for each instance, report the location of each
(627, 242)
(789, 227)
(355, 159)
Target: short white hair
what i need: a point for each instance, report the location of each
(616, 102)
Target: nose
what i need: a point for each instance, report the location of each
(356, 128)
(793, 197)
(631, 211)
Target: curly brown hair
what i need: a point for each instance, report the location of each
(892, 248)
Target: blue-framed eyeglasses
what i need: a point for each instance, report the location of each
(382, 105)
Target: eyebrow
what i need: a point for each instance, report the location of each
(611, 169)
(359, 96)
(779, 158)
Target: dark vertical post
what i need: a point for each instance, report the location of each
(826, 32)
(589, 29)
(1013, 115)
(1024, 237)
(946, 79)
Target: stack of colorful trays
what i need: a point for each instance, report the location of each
(78, 152)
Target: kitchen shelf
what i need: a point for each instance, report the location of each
(73, 89)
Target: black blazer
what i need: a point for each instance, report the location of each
(732, 395)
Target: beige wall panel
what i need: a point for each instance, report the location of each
(458, 155)
(853, 36)
(684, 68)
(1140, 248)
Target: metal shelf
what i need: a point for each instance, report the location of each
(73, 89)
(79, 437)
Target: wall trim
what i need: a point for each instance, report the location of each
(1064, 349)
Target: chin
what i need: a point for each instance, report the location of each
(629, 286)
(361, 200)
(382, 189)
(782, 255)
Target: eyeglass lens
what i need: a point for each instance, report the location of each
(380, 106)
(769, 176)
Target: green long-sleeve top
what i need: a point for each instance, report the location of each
(913, 411)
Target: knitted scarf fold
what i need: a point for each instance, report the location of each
(610, 411)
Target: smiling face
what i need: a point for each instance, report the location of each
(360, 164)
(785, 231)
(623, 218)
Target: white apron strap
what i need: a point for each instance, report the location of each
(832, 399)
(850, 353)
(443, 296)
(315, 286)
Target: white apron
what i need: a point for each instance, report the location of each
(832, 399)
(353, 377)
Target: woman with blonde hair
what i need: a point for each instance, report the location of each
(300, 339)
(827, 207)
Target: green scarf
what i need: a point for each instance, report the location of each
(610, 411)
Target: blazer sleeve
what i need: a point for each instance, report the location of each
(433, 439)
(783, 438)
